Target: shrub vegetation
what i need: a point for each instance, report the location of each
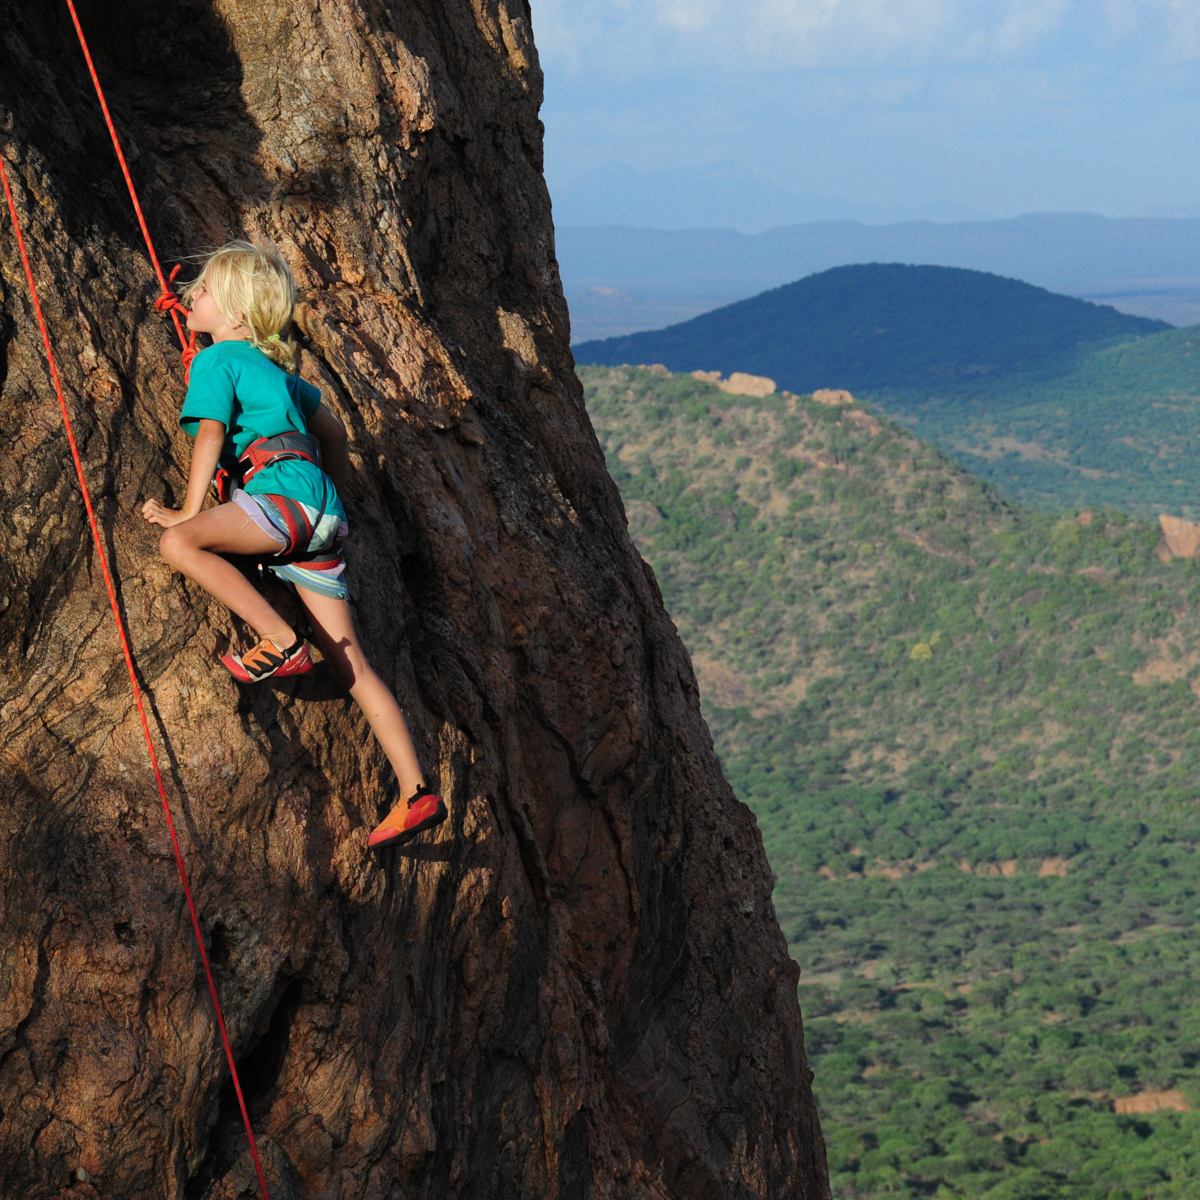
(969, 734)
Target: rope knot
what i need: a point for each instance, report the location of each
(186, 355)
(168, 302)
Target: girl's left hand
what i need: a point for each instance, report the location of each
(156, 514)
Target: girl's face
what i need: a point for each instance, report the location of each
(206, 317)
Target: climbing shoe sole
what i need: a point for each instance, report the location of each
(402, 836)
(266, 660)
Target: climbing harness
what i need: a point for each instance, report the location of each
(168, 303)
(264, 452)
(296, 522)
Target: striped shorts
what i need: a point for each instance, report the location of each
(315, 560)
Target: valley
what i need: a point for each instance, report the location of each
(968, 731)
(1117, 428)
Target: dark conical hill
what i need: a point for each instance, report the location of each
(882, 326)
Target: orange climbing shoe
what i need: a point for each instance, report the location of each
(266, 659)
(425, 811)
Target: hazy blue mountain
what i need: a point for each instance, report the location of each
(881, 326)
(1150, 266)
(1057, 402)
(717, 195)
(603, 312)
(1173, 211)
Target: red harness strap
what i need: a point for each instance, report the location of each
(300, 528)
(280, 448)
(262, 453)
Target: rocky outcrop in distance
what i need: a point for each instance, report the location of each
(739, 383)
(1181, 539)
(578, 988)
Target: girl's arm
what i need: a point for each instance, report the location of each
(210, 440)
(335, 446)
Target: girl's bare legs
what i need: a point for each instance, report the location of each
(194, 547)
(334, 631)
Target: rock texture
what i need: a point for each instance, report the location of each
(1181, 539)
(739, 383)
(578, 989)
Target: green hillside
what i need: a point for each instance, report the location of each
(884, 326)
(970, 737)
(1118, 429)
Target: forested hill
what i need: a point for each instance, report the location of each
(971, 737)
(1057, 401)
(1118, 429)
(883, 326)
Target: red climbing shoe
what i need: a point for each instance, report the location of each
(425, 811)
(266, 659)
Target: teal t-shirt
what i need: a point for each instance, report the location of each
(237, 384)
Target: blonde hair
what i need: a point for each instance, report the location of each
(252, 286)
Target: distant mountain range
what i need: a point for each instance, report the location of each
(724, 195)
(882, 326)
(620, 279)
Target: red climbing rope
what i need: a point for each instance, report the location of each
(108, 582)
(167, 302)
(137, 691)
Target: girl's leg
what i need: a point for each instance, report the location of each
(334, 631)
(194, 548)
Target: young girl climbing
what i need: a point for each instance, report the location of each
(279, 457)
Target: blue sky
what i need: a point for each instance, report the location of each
(1006, 106)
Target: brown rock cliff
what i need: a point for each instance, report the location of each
(576, 989)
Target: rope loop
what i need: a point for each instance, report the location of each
(186, 355)
(168, 301)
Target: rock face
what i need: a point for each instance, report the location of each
(739, 383)
(578, 988)
(1181, 538)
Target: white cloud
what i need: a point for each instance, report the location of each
(688, 16)
(636, 35)
(1176, 23)
(779, 33)
(806, 31)
(1122, 16)
(1183, 21)
(1027, 23)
